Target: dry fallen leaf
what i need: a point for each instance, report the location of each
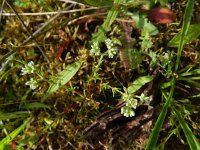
(161, 15)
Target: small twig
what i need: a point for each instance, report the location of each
(30, 34)
(72, 2)
(86, 16)
(99, 15)
(3, 2)
(12, 52)
(50, 13)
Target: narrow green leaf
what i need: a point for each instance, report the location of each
(192, 141)
(36, 105)
(189, 73)
(192, 81)
(12, 115)
(63, 77)
(192, 34)
(131, 58)
(156, 130)
(13, 134)
(138, 83)
(195, 96)
(186, 23)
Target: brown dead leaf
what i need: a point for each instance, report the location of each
(161, 15)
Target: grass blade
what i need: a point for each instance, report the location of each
(186, 23)
(156, 130)
(194, 145)
(13, 134)
(189, 73)
(35, 105)
(13, 115)
(63, 78)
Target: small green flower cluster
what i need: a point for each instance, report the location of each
(112, 50)
(111, 46)
(131, 103)
(95, 49)
(32, 83)
(30, 68)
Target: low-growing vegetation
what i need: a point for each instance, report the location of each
(107, 74)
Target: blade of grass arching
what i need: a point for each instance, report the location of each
(151, 144)
(63, 77)
(36, 105)
(186, 23)
(162, 144)
(13, 134)
(195, 96)
(112, 15)
(12, 115)
(192, 81)
(189, 73)
(192, 141)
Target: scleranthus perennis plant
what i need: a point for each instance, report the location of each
(131, 103)
(112, 50)
(28, 68)
(32, 83)
(95, 49)
(130, 99)
(31, 68)
(111, 45)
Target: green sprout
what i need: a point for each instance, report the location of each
(131, 104)
(143, 97)
(32, 83)
(112, 50)
(111, 46)
(95, 49)
(127, 111)
(29, 68)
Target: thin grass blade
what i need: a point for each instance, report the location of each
(185, 27)
(36, 105)
(192, 141)
(151, 144)
(13, 134)
(13, 115)
(190, 73)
